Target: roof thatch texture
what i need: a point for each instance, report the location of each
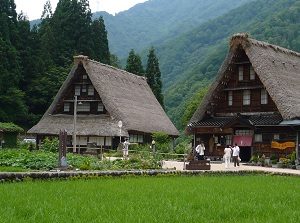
(126, 97)
(278, 69)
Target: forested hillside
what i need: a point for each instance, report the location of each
(34, 62)
(191, 61)
(156, 21)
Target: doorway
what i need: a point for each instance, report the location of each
(245, 153)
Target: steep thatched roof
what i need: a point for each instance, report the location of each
(126, 97)
(278, 69)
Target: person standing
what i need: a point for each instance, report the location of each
(235, 155)
(125, 148)
(200, 150)
(227, 156)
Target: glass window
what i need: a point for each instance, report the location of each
(84, 88)
(107, 141)
(230, 98)
(83, 107)
(228, 139)
(263, 97)
(84, 77)
(252, 73)
(91, 90)
(100, 107)
(258, 137)
(66, 107)
(246, 97)
(241, 73)
(140, 138)
(77, 90)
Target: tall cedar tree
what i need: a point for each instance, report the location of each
(12, 105)
(100, 42)
(153, 76)
(134, 64)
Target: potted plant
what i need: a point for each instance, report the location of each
(253, 159)
(261, 161)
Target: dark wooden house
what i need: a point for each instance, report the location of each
(254, 102)
(93, 101)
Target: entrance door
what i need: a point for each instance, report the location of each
(245, 153)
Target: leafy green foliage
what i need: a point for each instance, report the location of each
(155, 22)
(10, 127)
(190, 62)
(50, 145)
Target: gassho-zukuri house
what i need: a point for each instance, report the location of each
(102, 105)
(254, 101)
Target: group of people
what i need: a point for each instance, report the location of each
(235, 152)
(229, 152)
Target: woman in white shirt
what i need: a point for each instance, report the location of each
(227, 156)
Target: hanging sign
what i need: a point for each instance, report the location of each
(282, 146)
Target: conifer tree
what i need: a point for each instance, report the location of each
(134, 64)
(100, 42)
(153, 76)
(12, 106)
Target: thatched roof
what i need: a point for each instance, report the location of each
(278, 69)
(126, 97)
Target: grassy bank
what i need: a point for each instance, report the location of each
(249, 198)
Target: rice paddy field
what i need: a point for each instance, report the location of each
(251, 198)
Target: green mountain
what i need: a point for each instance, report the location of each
(191, 61)
(156, 21)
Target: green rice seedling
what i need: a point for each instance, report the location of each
(247, 198)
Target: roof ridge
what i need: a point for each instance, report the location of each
(115, 68)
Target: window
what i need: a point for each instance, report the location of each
(263, 137)
(98, 139)
(91, 90)
(279, 137)
(241, 73)
(100, 107)
(258, 137)
(230, 98)
(252, 73)
(136, 138)
(228, 140)
(108, 141)
(66, 107)
(83, 89)
(243, 132)
(84, 77)
(77, 90)
(83, 107)
(263, 97)
(246, 97)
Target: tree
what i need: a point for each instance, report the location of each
(114, 61)
(153, 76)
(100, 42)
(134, 64)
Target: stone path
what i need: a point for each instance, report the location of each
(218, 166)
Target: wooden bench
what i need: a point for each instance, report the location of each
(198, 165)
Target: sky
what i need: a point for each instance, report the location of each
(34, 8)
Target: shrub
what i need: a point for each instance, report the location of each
(50, 145)
(273, 157)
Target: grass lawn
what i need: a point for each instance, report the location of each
(251, 198)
